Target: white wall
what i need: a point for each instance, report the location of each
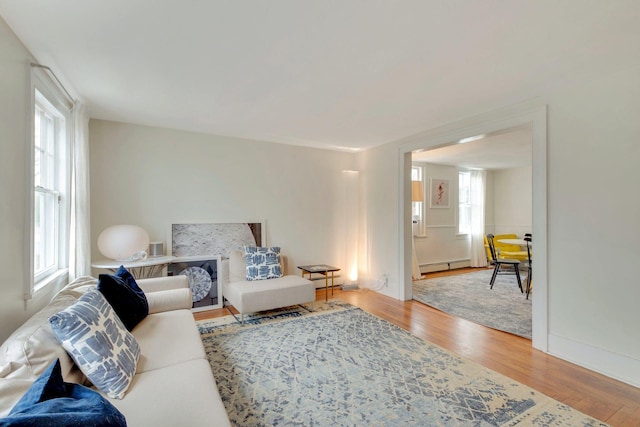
(594, 153)
(513, 198)
(442, 242)
(15, 120)
(593, 158)
(379, 206)
(152, 177)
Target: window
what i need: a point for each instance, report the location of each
(417, 207)
(464, 202)
(51, 180)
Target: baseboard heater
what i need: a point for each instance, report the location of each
(430, 267)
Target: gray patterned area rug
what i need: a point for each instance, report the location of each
(341, 366)
(468, 296)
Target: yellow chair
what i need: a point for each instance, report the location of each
(503, 250)
(514, 264)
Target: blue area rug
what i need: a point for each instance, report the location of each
(468, 296)
(341, 366)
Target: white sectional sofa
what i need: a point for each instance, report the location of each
(173, 384)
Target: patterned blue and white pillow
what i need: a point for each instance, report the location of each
(262, 263)
(91, 332)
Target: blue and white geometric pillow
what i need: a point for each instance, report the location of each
(262, 263)
(91, 332)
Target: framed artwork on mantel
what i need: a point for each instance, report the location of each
(439, 193)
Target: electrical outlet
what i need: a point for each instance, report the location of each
(383, 281)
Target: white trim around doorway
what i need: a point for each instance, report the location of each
(495, 121)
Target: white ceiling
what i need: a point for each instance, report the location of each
(504, 150)
(330, 73)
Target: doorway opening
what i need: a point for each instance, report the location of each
(489, 192)
(492, 123)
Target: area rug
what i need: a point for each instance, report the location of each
(468, 296)
(341, 366)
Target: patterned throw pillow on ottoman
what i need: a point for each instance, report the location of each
(262, 263)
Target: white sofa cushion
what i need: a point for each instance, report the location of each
(237, 266)
(184, 394)
(181, 343)
(171, 299)
(154, 284)
(32, 347)
(251, 296)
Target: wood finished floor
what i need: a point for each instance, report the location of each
(601, 397)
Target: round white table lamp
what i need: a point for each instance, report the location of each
(124, 242)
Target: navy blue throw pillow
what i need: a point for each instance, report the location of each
(125, 275)
(52, 402)
(125, 296)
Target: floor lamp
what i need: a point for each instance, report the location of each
(350, 208)
(417, 195)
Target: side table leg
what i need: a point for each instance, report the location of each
(326, 286)
(332, 283)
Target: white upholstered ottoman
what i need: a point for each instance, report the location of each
(260, 295)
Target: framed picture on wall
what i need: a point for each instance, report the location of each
(439, 193)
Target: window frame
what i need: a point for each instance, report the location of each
(46, 95)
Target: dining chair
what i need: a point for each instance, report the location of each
(527, 238)
(500, 262)
(505, 250)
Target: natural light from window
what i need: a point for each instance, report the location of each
(50, 180)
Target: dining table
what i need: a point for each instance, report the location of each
(519, 242)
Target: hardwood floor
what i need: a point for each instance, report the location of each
(601, 397)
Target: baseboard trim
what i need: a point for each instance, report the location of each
(432, 267)
(616, 366)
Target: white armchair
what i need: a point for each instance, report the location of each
(260, 295)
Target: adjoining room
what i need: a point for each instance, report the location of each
(487, 184)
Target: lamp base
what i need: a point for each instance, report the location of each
(349, 286)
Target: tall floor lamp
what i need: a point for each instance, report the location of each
(417, 195)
